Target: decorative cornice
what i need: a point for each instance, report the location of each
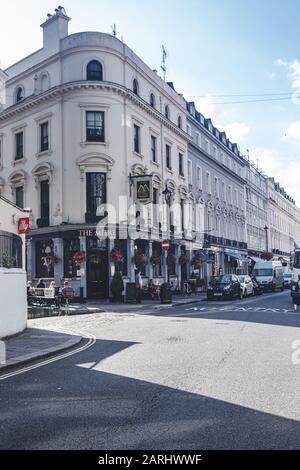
(59, 91)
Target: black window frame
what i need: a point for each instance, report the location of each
(179, 122)
(94, 75)
(19, 138)
(44, 136)
(44, 199)
(19, 94)
(180, 164)
(19, 190)
(137, 139)
(153, 148)
(91, 130)
(168, 157)
(135, 87)
(152, 100)
(167, 111)
(91, 195)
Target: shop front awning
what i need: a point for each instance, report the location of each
(236, 255)
(204, 256)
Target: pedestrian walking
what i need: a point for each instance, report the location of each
(297, 290)
(138, 286)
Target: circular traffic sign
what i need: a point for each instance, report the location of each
(165, 245)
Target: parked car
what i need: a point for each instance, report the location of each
(246, 285)
(258, 290)
(287, 279)
(226, 287)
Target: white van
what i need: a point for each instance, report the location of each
(269, 275)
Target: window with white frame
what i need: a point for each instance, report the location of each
(208, 182)
(216, 186)
(235, 201)
(223, 191)
(214, 151)
(199, 177)
(206, 145)
(230, 194)
(198, 139)
(190, 176)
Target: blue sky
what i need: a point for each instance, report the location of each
(215, 47)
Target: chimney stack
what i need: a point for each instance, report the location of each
(55, 28)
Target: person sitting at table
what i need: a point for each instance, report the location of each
(67, 291)
(41, 284)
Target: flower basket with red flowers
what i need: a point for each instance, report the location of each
(183, 259)
(140, 259)
(117, 255)
(156, 260)
(49, 260)
(197, 261)
(79, 257)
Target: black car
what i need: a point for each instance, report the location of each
(258, 290)
(224, 287)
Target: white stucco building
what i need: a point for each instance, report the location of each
(79, 118)
(283, 221)
(13, 302)
(217, 179)
(256, 210)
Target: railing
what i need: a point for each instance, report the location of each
(43, 222)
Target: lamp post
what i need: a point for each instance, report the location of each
(167, 195)
(266, 228)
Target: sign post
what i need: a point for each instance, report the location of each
(165, 245)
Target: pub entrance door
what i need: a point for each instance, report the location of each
(97, 273)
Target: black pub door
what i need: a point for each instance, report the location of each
(97, 270)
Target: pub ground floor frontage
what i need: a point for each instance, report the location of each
(88, 263)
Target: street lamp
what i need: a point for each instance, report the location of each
(266, 228)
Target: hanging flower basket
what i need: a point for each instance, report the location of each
(49, 261)
(266, 255)
(183, 259)
(197, 261)
(156, 260)
(140, 259)
(171, 259)
(116, 255)
(79, 257)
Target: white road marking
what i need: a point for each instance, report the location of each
(91, 342)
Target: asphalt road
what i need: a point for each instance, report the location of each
(213, 375)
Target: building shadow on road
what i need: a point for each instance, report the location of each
(72, 404)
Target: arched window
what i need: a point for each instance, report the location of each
(135, 87)
(152, 100)
(94, 71)
(19, 94)
(167, 112)
(179, 122)
(44, 82)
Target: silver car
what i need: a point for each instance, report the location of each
(246, 285)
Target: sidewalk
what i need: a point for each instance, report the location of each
(177, 300)
(36, 344)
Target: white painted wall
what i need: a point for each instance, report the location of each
(13, 302)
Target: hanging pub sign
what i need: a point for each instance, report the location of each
(24, 226)
(143, 189)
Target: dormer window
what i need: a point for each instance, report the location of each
(94, 71)
(152, 100)
(167, 112)
(135, 87)
(19, 94)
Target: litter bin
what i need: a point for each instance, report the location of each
(165, 293)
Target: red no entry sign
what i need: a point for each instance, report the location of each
(165, 245)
